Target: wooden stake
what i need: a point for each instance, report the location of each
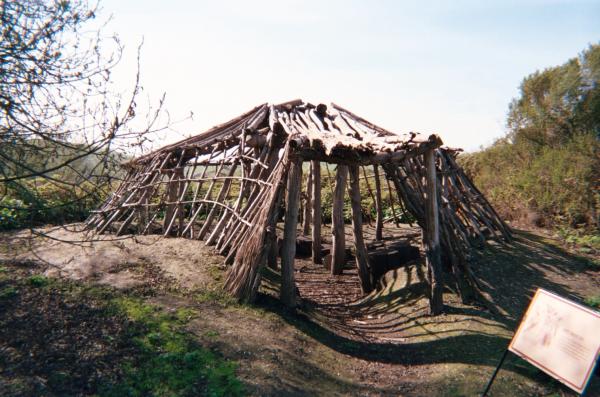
(338, 255)
(316, 212)
(432, 241)
(288, 250)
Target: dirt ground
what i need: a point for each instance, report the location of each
(338, 342)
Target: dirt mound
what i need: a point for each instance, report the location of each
(119, 262)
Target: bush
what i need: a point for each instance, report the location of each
(556, 183)
(40, 201)
(13, 213)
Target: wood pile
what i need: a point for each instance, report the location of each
(230, 185)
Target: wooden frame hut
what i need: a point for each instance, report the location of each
(229, 185)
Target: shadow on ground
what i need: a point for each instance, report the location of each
(392, 327)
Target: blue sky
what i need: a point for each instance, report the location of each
(449, 68)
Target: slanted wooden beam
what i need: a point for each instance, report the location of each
(316, 212)
(338, 253)
(288, 249)
(432, 238)
(362, 260)
(173, 192)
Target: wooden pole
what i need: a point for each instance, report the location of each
(432, 240)
(307, 204)
(273, 252)
(316, 212)
(378, 209)
(362, 260)
(288, 250)
(338, 254)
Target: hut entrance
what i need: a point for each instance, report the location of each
(230, 185)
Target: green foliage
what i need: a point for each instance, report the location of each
(548, 164)
(8, 292)
(587, 243)
(367, 201)
(38, 280)
(593, 301)
(170, 363)
(13, 213)
(40, 201)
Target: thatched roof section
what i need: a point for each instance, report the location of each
(333, 134)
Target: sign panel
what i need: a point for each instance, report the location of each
(560, 337)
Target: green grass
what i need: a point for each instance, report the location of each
(161, 359)
(8, 292)
(170, 364)
(38, 281)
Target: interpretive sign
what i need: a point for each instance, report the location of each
(560, 337)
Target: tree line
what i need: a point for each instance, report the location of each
(546, 170)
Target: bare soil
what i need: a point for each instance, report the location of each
(338, 342)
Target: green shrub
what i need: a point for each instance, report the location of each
(40, 201)
(38, 280)
(13, 213)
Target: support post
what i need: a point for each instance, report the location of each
(378, 209)
(338, 254)
(362, 260)
(316, 212)
(288, 250)
(432, 240)
(306, 216)
(273, 252)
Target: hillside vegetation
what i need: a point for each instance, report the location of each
(546, 169)
(66, 194)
